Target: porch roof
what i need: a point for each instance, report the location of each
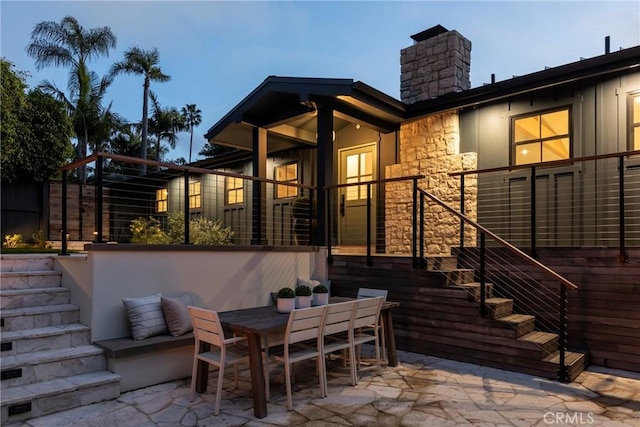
(287, 108)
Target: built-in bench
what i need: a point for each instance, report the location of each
(153, 360)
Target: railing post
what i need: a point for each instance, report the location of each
(99, 164)
(421, 261)
(462, 212)
(186, 207)
(534, 252)
(483, 285)
(563, 370)
(63, 230)
(327, 200)
(623, 255)
(415, 224)
(369, 259)
(310, 218)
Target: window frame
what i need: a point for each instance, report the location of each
(540, 140)
(632, 144)
(236, 190)
(193, 196)
(291, 181)
(164, 201)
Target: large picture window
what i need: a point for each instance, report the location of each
(234, 190)
(195, 198)
(162, 197)
(541, 137)
(286, 173)
(634, 121)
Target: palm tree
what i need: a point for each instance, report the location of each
(144, 63)
(165, 123)
(69, 44)
(192, 118)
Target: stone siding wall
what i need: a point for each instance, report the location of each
(430, 147)
(434, 67)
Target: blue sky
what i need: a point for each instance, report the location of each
(217, 52)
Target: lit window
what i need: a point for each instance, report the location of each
(359, 169)
(162, 196)
(286, 173)
(634, 119)
(234, 190)
(195, 198)
(542, 137)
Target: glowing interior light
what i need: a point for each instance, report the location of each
(524, 152)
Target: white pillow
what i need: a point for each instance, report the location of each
(307, 282)
(145, 316)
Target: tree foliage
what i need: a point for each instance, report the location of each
(213, 150)
(36, 131)
(192, 118)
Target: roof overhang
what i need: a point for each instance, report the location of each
(287, 106)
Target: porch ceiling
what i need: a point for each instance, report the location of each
(287, 108)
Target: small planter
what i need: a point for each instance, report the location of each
(286, 305)
(303, 301)
(320, 299)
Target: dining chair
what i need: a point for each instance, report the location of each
(370, 293)
(338, 335)
(223, 351)
(366, 326)
(302, 341)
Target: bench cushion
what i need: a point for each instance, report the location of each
(124, 347)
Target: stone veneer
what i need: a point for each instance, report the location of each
(430, 147)
(434, 67)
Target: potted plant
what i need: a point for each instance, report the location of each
(301, 213)
(286, 300)
(320, 295)
(303, 296)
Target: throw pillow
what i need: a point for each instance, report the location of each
(176, 314)
(307, 282)
(145, 316)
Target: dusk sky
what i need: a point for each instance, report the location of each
(217, 52)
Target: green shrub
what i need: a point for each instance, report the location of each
(202, 231)
(286, 293)
(40, 240)
(12, 240)
(303, 291)
(320, 289)
(148, 230)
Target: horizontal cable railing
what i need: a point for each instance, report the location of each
(585, 201)
(177, 204)
(501, 270)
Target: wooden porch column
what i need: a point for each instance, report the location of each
(259, 199)
(325, 169)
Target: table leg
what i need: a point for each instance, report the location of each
(202, 373)
(389, 337)
(257, 375)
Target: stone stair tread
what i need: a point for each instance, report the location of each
(49, 289)
(35, 358)
(22, 311)
(30, 273)
(538, 337)
(26, 393)
(43, 332)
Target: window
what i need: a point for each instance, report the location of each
(359, 168)
(162, 196)
(195, 199)
(287, 173)
(541, 137)
(634, 120)
(234, 190)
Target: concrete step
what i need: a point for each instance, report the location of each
(34, 400)
(473, 289)
(38, 317)
(26, 262)
(499, 307)
(47, 338)
(521, 323)
(545, 342)
(30, 279)
(34, 297)
(29, 368)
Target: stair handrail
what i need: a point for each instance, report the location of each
(563, 370)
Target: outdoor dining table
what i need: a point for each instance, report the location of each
(258, 322)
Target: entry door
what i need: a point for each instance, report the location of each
(357, 164)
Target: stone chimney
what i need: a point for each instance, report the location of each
(439, 62)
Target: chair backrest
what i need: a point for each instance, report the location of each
(367, 312)
(305, 324)
(206, 326)
(338, 317)
(370, 293)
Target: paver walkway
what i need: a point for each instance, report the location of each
(421, 391)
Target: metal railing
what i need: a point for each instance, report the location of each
(505, 271)
(585, 201)
(182, 204)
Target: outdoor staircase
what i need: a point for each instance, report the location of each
(439, 315)
(47, 361)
